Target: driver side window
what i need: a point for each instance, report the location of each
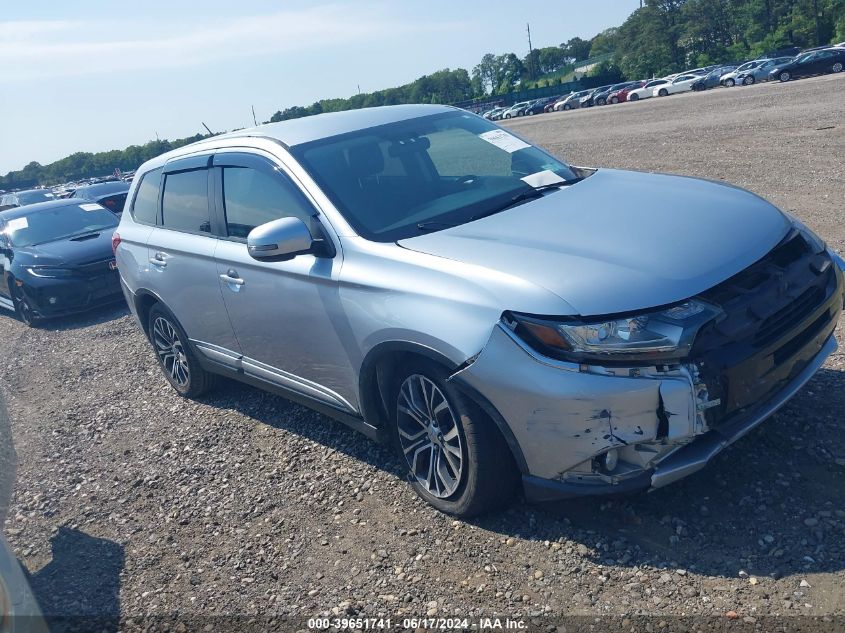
(252, 197)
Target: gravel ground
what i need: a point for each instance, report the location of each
(131, 501)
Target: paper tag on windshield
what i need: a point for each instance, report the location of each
(17, 224)
(90, 207)
(545, 177)
(503, 140)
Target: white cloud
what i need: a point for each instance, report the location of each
(47, 49)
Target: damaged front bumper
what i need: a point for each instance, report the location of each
(564, 421)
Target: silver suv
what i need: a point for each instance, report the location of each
(495, 314)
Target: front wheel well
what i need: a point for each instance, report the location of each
(377, 378)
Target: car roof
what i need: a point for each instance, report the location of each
(320, 126)
(111, 186)
(19, 212)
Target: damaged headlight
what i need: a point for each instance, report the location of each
(658, 335)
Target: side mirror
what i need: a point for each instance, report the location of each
(279, 240)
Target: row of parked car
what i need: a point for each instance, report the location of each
(816, 61)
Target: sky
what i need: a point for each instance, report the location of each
(93, 75)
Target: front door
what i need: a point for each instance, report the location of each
(286, 315)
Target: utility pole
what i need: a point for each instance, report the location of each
(530, 52)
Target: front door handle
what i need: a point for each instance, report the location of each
(158, 260)
(231, 277)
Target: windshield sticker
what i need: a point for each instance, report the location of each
(503, 140)
(16, 224)
(90, 207)
(545, 177)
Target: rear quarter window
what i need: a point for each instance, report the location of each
(145, 206)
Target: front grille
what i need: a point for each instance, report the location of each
(771, 314)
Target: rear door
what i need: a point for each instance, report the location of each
(181, 258)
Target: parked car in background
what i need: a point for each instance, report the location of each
(536, 107)
(647, 91)
(761, 71)
(549, 107)
(729, 79)
(602, 98)
(23, 198)
(588, 100)
(111, 195)
(621, 95)
(681, 83)
(571, 101)
(57, 259)
(829, 60)
(713, 78)
(517, 109)
(492, 115)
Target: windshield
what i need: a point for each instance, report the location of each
(439, 170)
(58, 223)
(33, 197)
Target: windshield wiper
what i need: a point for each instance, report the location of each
(85, 236)
(522, 196)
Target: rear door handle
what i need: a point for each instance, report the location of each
(158, 260)
(231, 277)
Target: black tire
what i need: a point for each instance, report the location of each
(634, 97)
(566, 106)
(663, 92)
(189, 379)
(23, 310)
(488, 477)
(748, 81)
(601, 102)
(614, 100)
(836, 68)
(784, 76)
(729, 83)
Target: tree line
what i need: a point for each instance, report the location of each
(661, 37)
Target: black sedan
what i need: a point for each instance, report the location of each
(828, 60)
(56, 259)
(112, 194)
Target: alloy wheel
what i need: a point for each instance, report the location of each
(171, 352)
(729, 83)
(749, 80)
(837, 67)
(429, 436)
(23, 308)
(785, 76)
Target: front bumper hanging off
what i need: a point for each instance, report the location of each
(560, 418)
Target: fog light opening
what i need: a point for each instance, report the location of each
(609, 460)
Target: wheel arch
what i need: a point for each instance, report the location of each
(375, 379)
(144, 301)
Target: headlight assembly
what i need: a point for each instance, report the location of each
(659, 335)
(815, 242)
(49, 272)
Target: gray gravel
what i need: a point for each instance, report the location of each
(132, 501)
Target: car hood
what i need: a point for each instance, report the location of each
(67, 252)
(620, 241)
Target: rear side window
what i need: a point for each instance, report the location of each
(114, 203)
(145, 207)
(253, 197)
(184, 206)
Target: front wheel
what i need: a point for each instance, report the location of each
(784, 76)
(729, 83)
(23, 309)
(837, 67)
(567, 107)
(663, 92)
(748, 80)
(614, 100)
(456, 459)
(634, 97)
(175, 356)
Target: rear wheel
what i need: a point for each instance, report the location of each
(634, 97)
(662, 92)
(175, 356)
(614, 100)
(566, 106)
(784, 76)
(23, 308)
(748, 80)
(456, 459)
(837, 67)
